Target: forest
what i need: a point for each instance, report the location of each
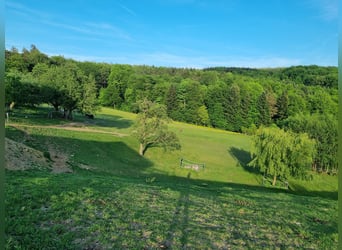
(301, 99)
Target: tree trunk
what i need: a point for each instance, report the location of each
(11, 106)
(70, 117)
(68, 114)
(142, 149)
(274, 180)
(327, 170)
(56, 107)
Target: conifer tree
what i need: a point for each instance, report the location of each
(282, 107)
(263, 108)
(171, 101)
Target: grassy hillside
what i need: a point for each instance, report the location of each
(116, 198)
(87, 211)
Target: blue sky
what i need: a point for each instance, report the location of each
(179, 33)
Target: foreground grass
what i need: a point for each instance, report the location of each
(84, 210)
(126, 201)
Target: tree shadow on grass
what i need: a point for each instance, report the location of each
(200, 216)
(115, 157)
(40, 115)
(108, 155)
(294, 187)
(180, 220)
(243, 157)
(110, 121)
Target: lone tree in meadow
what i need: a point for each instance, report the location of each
(282, 154)
(151, 128)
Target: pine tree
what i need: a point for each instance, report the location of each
(282, 107)
(245, 107)
(264, 110)
(232, 108)
(171, 101)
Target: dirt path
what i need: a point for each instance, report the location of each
(71, 127)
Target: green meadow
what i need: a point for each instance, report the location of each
(116, 199)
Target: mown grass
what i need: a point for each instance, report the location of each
(87, 211)
(225, 154)
(126, 201)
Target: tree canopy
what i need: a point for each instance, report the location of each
(151, 128)
(282, 154)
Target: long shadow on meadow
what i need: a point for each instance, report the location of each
(180, 219)
(243, 157)
(205, 213)
(195, 213)
(111, 121)
(115, 157)
(116, 197)
(39, 116)
(108, 155)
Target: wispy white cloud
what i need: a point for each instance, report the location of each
(181, 2)
(128, 10)
(24, 10)
(328, 9)
(93, 29)
(88, 28)
(76, 28)
(184, 61)
(168, 59)
(83, 58)
(108, 30)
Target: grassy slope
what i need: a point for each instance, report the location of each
(87, 211)
(225, 154)
(115, 205)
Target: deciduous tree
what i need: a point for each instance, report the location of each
(151, 128)
(282, 154)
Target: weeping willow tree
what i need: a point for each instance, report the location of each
(151, 128)
(282, 154)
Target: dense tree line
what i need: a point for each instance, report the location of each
(308, 75)
(298, 98)
(33, 78)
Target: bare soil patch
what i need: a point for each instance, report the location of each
(18, 156)
(59, 161)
